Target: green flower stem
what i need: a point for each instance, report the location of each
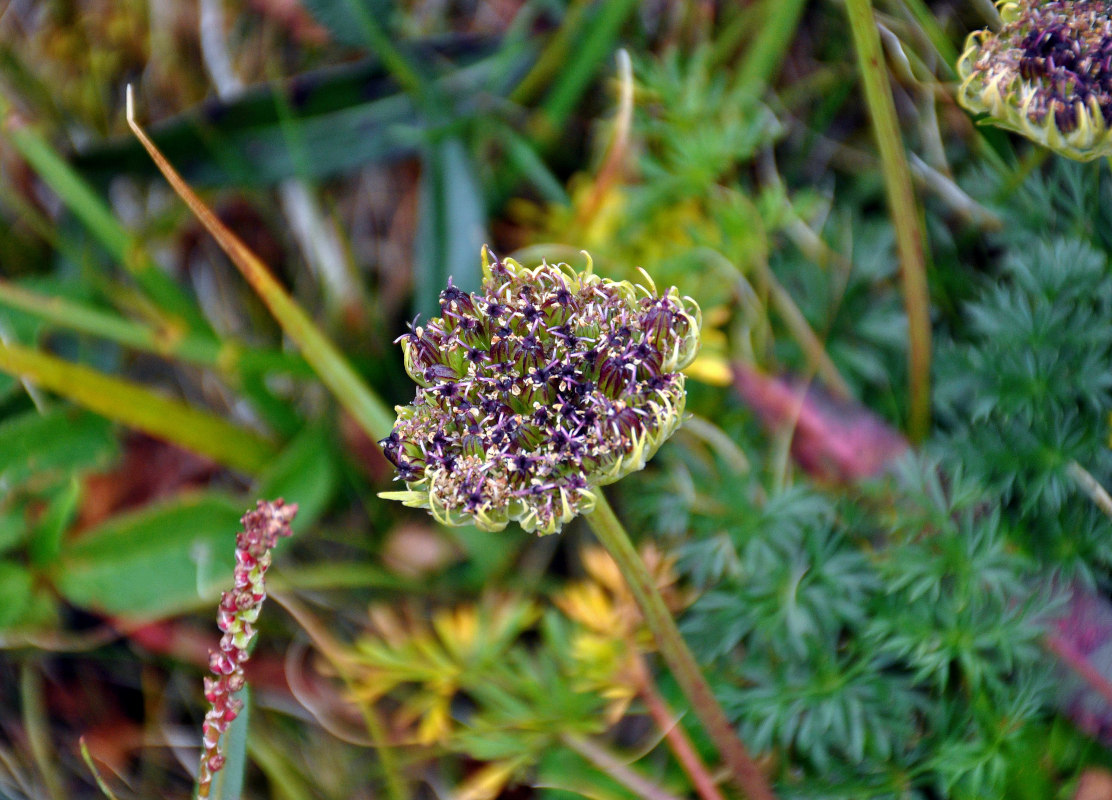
(613, 536)
(901, 202)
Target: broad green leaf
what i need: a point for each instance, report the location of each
(153, 563)
(17, 585)
(46, 447)
(305, 473)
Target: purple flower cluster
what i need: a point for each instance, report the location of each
(545, 384)
(1046, 73)
(239, 609)
(1068, 50)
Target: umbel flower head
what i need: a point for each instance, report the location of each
(1047, 73)
(544, 384)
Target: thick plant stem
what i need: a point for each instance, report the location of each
(678, 742)
(747, 775)
(905, 215)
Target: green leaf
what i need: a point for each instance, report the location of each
(17, 584)
(330, 364)
(588, 42)
(342, 17)
(98, 217)
(344, 116)
(51, 305)
(153, 563)
(46, 538)
(45, 447)
(227, 784)
(305, 473)
(451, 227)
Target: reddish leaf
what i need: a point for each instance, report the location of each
(833, 440)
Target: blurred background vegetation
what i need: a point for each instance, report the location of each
(869, 640)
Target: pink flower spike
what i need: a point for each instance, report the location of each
(238, 609)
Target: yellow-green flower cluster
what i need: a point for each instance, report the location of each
(1047, 74)
(545, 384)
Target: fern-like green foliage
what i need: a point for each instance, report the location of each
(888, 641)
(1025, 390)
(861, 638)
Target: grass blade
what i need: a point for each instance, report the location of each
(905, 215)
(140, 408)
(330, 365)
(195, 348)
(95, 214)
(228, 783)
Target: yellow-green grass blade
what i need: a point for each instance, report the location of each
(174, 344)
(140, 408)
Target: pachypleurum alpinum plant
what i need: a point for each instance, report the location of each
(578, 377)
(536, 391)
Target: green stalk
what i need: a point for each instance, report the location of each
(905, 215)
(925, 19)
(37, 729)
(396, 788)
(326, 360)
(140, 408)
(380, 42)
(87, 757)
(774, 34)
(590, 47)
(554, 57)
(747, 775)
